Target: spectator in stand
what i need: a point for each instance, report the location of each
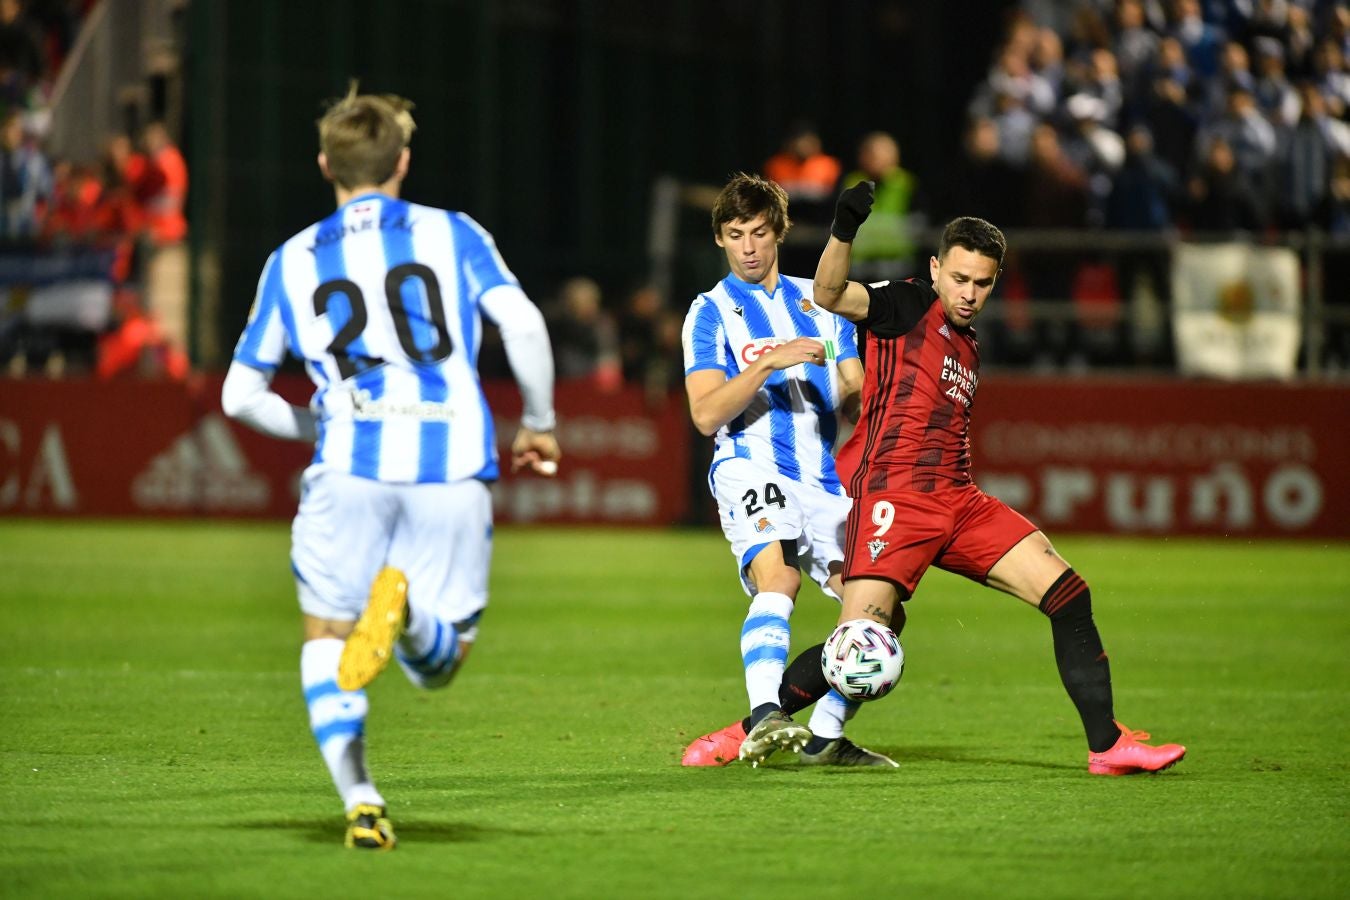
(1057, 190)
(22, 59)
(1015, 127)
(166, 265)
(1222, 200)
(1095, 149)
(1145, 189)
(1102, 82)
(1047, 59)
(1168, 112)
(1057, 198)
(1235, 73)
(1332, 79)
(1308, 154)
(1143, 196)
(637, 332)
(72, 215)
(1300, 42)
(25, 180)
(1136, 47)
(1275, 96)
(1247, 133)
(887, 249)
(986, 185)
(1013, 77)
(810, 176)
(805, 171)
(585, 339)
(1202, 41)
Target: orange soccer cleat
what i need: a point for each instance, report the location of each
(1129, 756)
(716, 749)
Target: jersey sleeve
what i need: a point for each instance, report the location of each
(896, 306)
(263, 344)
(848, 340)
(481, 265)
(704, 338)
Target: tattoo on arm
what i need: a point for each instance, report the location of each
(877, 611)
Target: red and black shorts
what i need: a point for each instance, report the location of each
(896, 535)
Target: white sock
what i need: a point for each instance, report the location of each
(830, 714)
(765, 637)
(338, 720)
(427, 649)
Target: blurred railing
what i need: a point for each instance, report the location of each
(1068, 300)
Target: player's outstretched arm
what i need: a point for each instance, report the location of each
(525, 339)
(832, 289)
(248, 397)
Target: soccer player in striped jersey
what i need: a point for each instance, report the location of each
(907, 467)
(768, 374)
(383, 302)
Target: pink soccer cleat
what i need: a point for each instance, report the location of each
(716, 749)
(1129, 756)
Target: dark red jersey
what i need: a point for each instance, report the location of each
(913, 432)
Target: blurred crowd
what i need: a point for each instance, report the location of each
(94, 274)
(1212, 116)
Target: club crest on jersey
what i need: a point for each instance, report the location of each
(874, 547)
(763, 526)
(809, 308)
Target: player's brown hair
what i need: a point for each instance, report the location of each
(747, 196)
(362, 136)
(976, 235)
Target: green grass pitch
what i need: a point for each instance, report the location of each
(155, 743)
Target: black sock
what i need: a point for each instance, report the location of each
(803, 684)
(1082, 662)
(756, 714)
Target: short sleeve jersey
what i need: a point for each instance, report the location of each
(913, 430)
(381, 301)
(792, 423)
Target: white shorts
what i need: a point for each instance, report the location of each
(347, 528)
(758, 506)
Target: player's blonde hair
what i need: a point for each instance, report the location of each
(746, 196)
(363, 135)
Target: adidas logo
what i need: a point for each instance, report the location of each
(944, 332)
(202, 470)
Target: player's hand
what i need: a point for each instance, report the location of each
(853, 208)
(537, 450)
(794, 352)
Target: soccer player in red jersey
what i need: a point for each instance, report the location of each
(907, 468)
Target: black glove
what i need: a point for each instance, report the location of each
(854, 205)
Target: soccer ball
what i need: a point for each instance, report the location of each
(862, 660)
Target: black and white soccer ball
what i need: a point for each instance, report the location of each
(863, 660)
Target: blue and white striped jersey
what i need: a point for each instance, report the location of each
(792, 423)
(382, 302)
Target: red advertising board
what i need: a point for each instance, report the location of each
(1167, 457)
(159, 448)
(1127, 457)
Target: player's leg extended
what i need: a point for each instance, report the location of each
(765, 637)
(1036, 574)
(443, 539)
(828, 745)
(338, 538)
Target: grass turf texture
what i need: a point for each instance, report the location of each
(156, 744)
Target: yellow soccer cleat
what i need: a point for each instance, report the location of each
(368, 828)
(370, 646)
